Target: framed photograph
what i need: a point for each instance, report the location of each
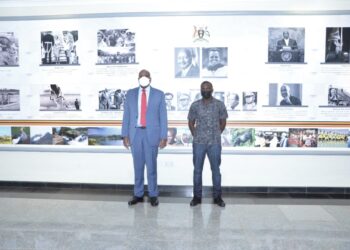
(8, 49)
(337, 45)
(214, 62)
(116, 46)
(106, 136)
(242, 137)
(233, 101)
(74, 136)
(285, 94)
(186, 62)
(58, 98)
(184, 100)
(20, 135)
(250, 100)
(333, 138)
(302, 137)
(9, 99)
(5, 135)
(111, 99)
(271, 137)
(338, 96)
(286, 45)
(59, 47)
(41, 135)
(170, 101)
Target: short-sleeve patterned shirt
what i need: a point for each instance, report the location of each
(207, 120)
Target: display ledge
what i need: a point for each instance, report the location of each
(230, 123)
(179, 191)
(177, 150)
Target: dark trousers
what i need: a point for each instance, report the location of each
(213, 151)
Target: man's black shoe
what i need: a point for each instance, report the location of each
(154, 201)
(195, 201)
(135, 200)
(218, 201)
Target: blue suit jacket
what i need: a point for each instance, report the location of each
(156, 116)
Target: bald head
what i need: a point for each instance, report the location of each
(285, 90)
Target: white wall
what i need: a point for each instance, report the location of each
(238, 169)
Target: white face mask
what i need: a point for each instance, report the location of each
(144, 82)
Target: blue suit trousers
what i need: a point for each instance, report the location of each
(144, 154)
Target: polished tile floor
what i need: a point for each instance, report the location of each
(94, 219)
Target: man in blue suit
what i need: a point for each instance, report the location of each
(145, 129)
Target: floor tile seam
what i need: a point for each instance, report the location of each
(236, 202)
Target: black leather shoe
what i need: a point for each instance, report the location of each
(218, 201)
(135, 200)
(195, 201)
(154, 201)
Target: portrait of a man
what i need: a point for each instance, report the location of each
(286, 45)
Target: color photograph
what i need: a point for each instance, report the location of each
(5, 135)
(333, 138)
(302, 137)
(41, 135)
(74, 136)
(20, 135)
(105, 136)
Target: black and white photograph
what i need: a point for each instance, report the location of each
(172, 136)
(286, 45)
(106, 136)
(219, 95)
(9, 99)
(59, 47)
(111, 99)
(20, 135)
(116, 46)
(41, 135)
(338, 96)
(250, 100)
(333, 138)
(285, 94)
(271, 137)
(5, 135)
(170, 101)
(184, 100)
(233, 101)
(8, 49)
(337, 45)
(58, 98)
(302, 137)
(186, 62)
(73, 136)
(214, 62)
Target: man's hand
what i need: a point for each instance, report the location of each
(126, 142)
(162, 143)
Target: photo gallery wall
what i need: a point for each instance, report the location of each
(272, 68)
(180, 136)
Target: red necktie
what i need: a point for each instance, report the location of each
(143, 108)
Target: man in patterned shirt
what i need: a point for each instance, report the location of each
(207, 120)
